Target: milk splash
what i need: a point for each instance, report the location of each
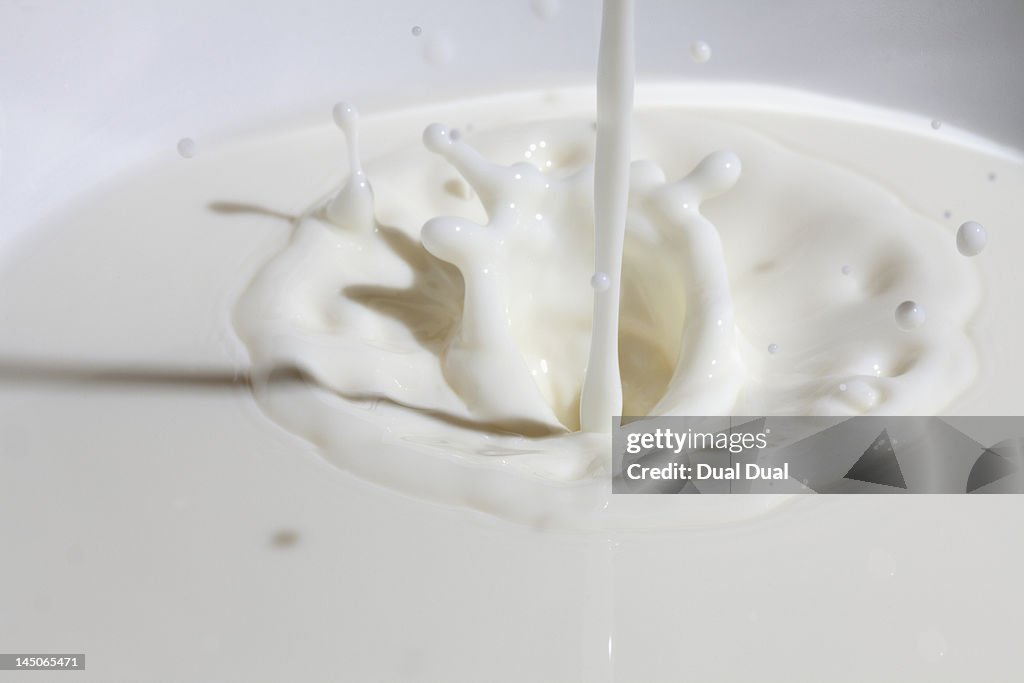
(509, 333)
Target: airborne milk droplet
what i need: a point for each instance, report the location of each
(700, 51)
(971, 238)
(187, 148)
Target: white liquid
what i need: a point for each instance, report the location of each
(971, 238)
(187, 148)
(910, 315)
(700, 51)
(601, 397)
(161, 450)
(381, 325)
(489, 355)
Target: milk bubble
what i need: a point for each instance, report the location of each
(910, 315)
(600, 282)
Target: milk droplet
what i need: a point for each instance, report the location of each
(971, 238)
(936, 124)
(345, 115)
(545, 9)
(417, 31)
(910, 315)
(600, 282)
(700, 51)
(773, 348)
(436, 137)
(846, 270)
(187, 148)
(992, 175)
(438, 50)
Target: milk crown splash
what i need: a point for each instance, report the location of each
(536, 232)
(581, 294)
(515, 196)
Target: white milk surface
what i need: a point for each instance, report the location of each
(173, 525)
